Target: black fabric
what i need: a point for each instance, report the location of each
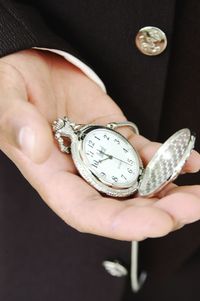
(41, 258)
(22, 26)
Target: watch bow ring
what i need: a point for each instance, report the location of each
(110, 163)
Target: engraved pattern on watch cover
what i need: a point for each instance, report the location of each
(167, 162)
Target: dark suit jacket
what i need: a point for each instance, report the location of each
(41, 258)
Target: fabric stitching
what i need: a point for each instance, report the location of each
(20, 21)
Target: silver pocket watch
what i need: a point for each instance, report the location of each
(109, 163)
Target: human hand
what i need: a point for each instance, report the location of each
(38, 87)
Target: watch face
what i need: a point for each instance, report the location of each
(110, 157)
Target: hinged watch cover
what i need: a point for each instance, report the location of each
(167, 162)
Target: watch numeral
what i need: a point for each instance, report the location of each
(130, 161)
(117, 141)
(122, 176)
(97, 138)
(103, 174)
(130, 170)
(91, 154)
(95, 163)
(106, 137)
(91, 144)
(125, 150)
(115, 179)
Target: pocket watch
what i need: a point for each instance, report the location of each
(110, 163)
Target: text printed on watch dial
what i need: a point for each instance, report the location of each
(111, 158)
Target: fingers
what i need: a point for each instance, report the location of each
(193, 189)
(21, 125)
(80, 206)
(193, 163)
(84, 209)
(26, 138)
(182, 203)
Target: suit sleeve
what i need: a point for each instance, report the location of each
(22, 27)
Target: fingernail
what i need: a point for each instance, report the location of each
(26, 140)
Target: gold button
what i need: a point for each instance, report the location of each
(151, 40)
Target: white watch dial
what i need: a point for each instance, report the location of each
(111, 158)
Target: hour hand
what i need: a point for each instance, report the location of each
(101, 152)
(104, 159)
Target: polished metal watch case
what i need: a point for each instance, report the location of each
(163, 168)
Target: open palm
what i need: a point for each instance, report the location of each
(38, 87)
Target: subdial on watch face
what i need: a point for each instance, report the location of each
(111, 158)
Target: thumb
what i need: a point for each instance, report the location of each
(22, 126)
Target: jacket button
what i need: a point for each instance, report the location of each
(114, 268)
(151, 40)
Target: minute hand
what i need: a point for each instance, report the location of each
(111, 157)
(122, 160)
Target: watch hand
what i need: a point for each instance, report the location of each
(111, 156)
(104, 159)
(122, 161)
